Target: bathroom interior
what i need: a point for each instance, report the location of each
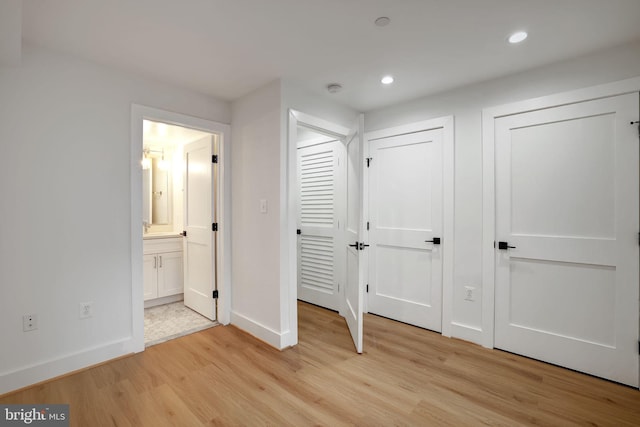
(163, 165)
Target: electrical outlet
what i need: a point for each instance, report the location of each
(29, 322)
(469, 293)
(86, 310)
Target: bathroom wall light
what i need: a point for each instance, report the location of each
(146, 163)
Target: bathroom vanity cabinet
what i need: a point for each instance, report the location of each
(163, 274)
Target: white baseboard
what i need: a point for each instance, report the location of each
(263, 333)
(288, 339)
(466, 332)
(163, 300)
(43, 371)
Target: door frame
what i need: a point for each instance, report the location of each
(489, 115)
(290, 263)
(222, 238)
(448, 203)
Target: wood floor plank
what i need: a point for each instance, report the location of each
(406, 376)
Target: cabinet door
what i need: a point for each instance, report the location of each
(170, 279)
(150, 276)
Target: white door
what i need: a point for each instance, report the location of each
(567, 236)
(199, 249)
(354, 234)
(406, 224)
(319, 254)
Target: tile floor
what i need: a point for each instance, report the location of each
(165, 322)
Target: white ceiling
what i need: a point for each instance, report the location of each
(227, 48)
(163, 135)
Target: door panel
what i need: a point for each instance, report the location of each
(567, 201)
(199, 248)
(580, 172)
(408, 266)
(318, 213)
(405, 200)
(552, 287)
(353, 294)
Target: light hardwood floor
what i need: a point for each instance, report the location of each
(406, 377)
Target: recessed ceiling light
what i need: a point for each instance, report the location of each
(382, 21)
(387, 80)
(517, 37)
(334, 87)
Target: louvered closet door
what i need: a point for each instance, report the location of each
(318, 213)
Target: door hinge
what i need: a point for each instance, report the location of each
(298, 231)
(637, 122)
(214, 158)
(367, 225)
(184, 233)
(369, 161)
(367, 288)
(214, 226)
(215, 294)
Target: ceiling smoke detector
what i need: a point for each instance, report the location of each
(382, 21)
(334, 87)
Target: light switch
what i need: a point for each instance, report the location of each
(263, 205)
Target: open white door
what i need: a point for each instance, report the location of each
(199, 248)
(353, 294)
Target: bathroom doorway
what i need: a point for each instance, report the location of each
(178, 192)
(181, 245)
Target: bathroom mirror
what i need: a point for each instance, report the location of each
(156, 188)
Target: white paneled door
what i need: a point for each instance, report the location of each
(353, 294)
(199, 247)
(319, 251)
(406, 224)
(567, 225)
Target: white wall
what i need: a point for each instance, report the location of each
(66, 207)
(255, 236)
(466, 105)
(263, 269)
(10, 32)
(297, 98)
